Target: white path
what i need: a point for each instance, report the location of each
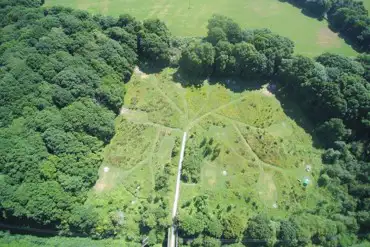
(177, 192)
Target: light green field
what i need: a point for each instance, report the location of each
(311, 36)
(136, 156)
(263, 151)
(367, 4)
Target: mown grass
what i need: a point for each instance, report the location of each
(263, 151)
(311, 37)
(367, 4)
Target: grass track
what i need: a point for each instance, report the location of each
(311, 36)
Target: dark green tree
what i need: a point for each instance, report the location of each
(228, 26)
(331, 131)
(198, 58)
(233, 226)
(288, 234)
(259, 231)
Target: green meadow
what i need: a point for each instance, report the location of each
(189, 18)
(367, 4)
(260, 167)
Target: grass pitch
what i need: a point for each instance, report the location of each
(263, 152)
(190, 17)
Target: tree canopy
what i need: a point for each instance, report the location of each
(62, 73)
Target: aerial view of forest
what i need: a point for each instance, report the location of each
(185, 123)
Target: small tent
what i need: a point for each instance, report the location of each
(306, 182)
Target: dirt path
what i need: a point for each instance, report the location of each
(195, 121)
(140, 73)
(177, 192)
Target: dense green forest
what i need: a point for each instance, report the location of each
(62, 74)
(13, 240)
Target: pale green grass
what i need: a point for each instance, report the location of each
(135, 157)
(367, 4)
(311, 37)
(263, 151)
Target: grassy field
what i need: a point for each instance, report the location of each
(367, 4)
(140, 152)
(263, 152)
(311, 36)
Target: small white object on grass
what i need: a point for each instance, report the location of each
(224, 173)
(308, 168)
(275, 205)
(106, 169)
(121, 217)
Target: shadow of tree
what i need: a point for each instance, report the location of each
(294, 111)
(150, 68)
(235, 84)
(238, 85)
(347, 39)
(187, 80)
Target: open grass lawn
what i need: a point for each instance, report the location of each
(263, 152)
(311, 36)
(367, 4)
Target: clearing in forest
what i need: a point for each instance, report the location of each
(190, 18)
(243, 150)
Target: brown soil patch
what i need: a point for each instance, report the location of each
(327, 38)
(266, 92)
(124, 111)
(211, 181)
(210, 175)
(100, 186)
(140, 73)
(105, 181)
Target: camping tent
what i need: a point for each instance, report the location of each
(306, 181)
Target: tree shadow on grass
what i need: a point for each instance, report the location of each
(347, 39)
(149, 68)
(235, 84)
(238, 85)
(293, 111)
(187, 80)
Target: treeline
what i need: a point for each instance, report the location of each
(227, 226)
(62, 74)
(230, 51)
(348, 17)
(13, 240)
(334, 91)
